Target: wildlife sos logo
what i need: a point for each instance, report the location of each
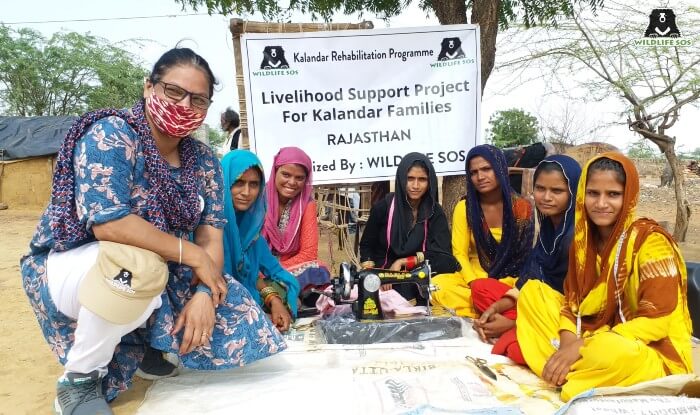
(451, 54)
(122, 281)
(273, 58)
(662, 30)
(451, 48)
(274, 63)
(662, 23)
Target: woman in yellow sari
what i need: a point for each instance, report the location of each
(492, 234)
(623, 318)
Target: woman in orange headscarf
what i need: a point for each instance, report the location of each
(623, 318)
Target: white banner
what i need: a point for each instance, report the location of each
(358, 100)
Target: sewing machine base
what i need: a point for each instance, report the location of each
(347, 330)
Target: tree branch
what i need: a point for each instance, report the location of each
(672, 84)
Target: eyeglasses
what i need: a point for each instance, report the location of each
(177, 94)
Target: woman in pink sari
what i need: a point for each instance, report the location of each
(291, 228)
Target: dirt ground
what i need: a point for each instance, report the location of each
(28, 370)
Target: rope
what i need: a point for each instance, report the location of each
(334, 207)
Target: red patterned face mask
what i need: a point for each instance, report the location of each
(172, 119)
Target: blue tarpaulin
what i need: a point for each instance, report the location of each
(22, 137)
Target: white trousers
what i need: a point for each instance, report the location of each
(95, 338)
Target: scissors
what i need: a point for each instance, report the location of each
(481, 365)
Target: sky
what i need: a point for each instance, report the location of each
(211, 38)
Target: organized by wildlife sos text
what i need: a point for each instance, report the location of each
(358, 100)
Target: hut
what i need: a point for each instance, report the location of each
(28, 147)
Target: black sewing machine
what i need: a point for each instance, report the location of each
(367, 306)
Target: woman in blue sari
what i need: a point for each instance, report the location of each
(246, 254)
(134, 222)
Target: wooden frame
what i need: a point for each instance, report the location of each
(528, 183)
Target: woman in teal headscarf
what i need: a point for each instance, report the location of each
(246, 253)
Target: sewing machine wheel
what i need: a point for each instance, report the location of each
(372, 283)
(345, 280)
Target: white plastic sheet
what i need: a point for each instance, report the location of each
(430, 377)
(390, 378)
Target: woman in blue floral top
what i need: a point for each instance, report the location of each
(135, 177)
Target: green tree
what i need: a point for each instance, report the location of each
(68, 74)
(513, 127)
(641, 149)
(216, 137)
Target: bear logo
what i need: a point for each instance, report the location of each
(451, 49)
(273, 58)
(662, 23)
(123, 278)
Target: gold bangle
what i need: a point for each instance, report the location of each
(367, 264)
(268, 298)
(267, 291)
